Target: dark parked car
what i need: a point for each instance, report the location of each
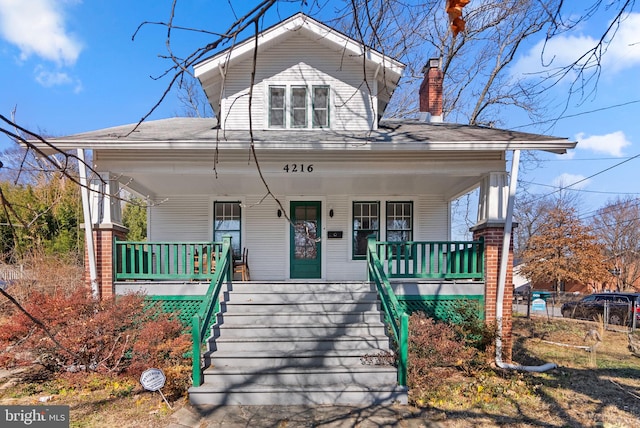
(621, 307)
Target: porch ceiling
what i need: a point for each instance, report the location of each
(159, 185)
(154, 174)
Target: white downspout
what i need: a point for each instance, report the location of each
(88, 230)
(502, 275)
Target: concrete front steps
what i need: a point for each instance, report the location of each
(298, 343)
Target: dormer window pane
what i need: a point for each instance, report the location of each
(299, 107)
(320, 106)
(276, 106)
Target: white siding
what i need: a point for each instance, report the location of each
(339, 265)
(299, 60)
(180, 218)
(266, 237)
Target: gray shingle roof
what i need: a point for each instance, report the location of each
(391, 135)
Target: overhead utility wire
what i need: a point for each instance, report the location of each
(591, 214)
(543, 122)
(580, 190)
(587, 178)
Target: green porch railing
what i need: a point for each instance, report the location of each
(433, 259)
(397, 317)
(158, 261)
(202, 319)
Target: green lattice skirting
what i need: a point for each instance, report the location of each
(442, 308)
(185, 307)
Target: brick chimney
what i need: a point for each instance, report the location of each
(431, 92)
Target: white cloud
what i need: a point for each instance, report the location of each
(610, 144)
(37, 27)
(623, 52)
(566, 180)
(49, 79)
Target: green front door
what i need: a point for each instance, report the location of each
(305, 240)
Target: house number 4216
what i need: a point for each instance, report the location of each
(298, 167)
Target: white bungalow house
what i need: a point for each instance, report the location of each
(299, 168)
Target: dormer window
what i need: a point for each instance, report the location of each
(289, 106)
(276, 107)
(320, 106)
(299, 107)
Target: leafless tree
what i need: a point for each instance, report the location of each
(617, 226)
(192, 99)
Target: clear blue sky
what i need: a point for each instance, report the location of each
(69, 66)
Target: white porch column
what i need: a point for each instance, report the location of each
(106, 222)
(494, 195)
(105, 200)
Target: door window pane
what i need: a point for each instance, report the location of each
(306, 233)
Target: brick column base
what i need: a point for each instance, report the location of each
(493, 240)
(103, 237)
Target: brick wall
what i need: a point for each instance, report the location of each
(493, 236)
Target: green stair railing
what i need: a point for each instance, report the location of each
(397, 318)
(201, 321)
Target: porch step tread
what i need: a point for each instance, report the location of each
(339, 394)
(207, 387)
(300, 376)
(248, 332)
(270, 298)
(299, 318)
(301, 287)
(276, 339)
(278, 353)
(260, 347)
(363, 368)
(306, 307)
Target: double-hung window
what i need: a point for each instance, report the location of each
(320, 106)
(227, 221)
(277, 107)
(366, 221)
(399, 221)
(399, 224)
(299, 106)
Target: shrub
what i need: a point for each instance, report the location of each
(470, 327)
(437, 350)
(111, 336)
